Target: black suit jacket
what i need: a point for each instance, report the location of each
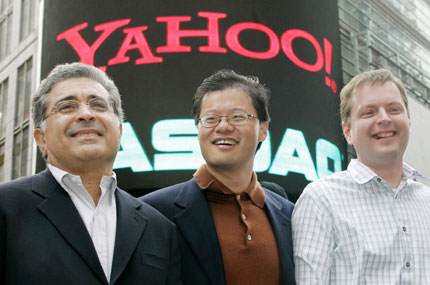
(186, 205)
(43, 239)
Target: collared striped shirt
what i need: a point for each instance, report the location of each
(100, 219)
(353, 228)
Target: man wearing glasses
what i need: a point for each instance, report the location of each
(70, 224)
(232, 231)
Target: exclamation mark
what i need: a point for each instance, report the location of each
(328, 48)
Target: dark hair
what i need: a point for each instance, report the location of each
(61, 72)
(226, 79)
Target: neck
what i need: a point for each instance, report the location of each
(392, 173)
(91, 176)
(236, 181)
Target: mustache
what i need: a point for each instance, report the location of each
(85, 125)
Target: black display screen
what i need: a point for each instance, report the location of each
(159, 51)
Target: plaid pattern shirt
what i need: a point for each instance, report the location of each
(353, 228)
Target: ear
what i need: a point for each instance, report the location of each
(39, 137)
(347, 132)
(120, 136)
(262, 133)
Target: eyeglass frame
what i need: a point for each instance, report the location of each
(201, 119)
(55, 108)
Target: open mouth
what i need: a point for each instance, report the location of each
(225, 142)
(384, 135)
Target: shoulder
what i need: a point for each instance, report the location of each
(328, 186)
(14, 193)
(273, 198)
(168, 194)
(147, 211)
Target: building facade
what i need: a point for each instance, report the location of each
(18, 61)
(374, 33)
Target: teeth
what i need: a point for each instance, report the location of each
(384, 135)
(225, 142)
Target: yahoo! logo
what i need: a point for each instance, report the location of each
(135, 39)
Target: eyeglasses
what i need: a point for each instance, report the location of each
(235, 119)
(71, 107)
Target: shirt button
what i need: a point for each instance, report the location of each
(408, 264)
(238, 197)
(404, 229)
(243, 216)
(378, 179)
(249, 237)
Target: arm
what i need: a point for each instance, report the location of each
(174, 261)
(313, 241)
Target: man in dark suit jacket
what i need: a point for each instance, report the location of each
(231, 230)
(70, 224)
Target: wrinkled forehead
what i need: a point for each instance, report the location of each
(80, 88)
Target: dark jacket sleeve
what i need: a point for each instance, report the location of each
(175, 261)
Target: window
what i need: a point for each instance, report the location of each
(3, 108)
(23, 94)
(27, 18)
(20, 163)
(2, 162)
(5, 27)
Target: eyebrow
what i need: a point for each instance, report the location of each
(232, 110)
(75, 98)
(388, 105)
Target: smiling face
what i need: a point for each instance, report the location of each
(71, 141)
(229, 147)
(379, 125)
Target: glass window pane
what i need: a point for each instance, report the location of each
(24, 153)
(1, 162)
(24, 19)
(20, 89)
(17, 139)
(27, 92)
(2, 39)
(3, 107)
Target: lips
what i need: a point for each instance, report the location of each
(225, 142)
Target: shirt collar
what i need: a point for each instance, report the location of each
(207, 181)
(108, 182)
(363, 174)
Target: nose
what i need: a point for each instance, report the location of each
(224, 125)
(383, 117)
(85, 113)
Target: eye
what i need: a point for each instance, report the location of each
(98, 105)
(211, 119)
(238, 117)
(67, 106)
(367, 113)
(395, 110)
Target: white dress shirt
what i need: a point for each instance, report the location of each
(353, 228)
(100, 219)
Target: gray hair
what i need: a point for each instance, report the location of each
(61, 72)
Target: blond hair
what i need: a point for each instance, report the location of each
(372, 77)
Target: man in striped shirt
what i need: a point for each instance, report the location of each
(369, 224)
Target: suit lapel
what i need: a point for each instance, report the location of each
(61, 212)
(195, 223)
(130, 227)
(281, 225)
